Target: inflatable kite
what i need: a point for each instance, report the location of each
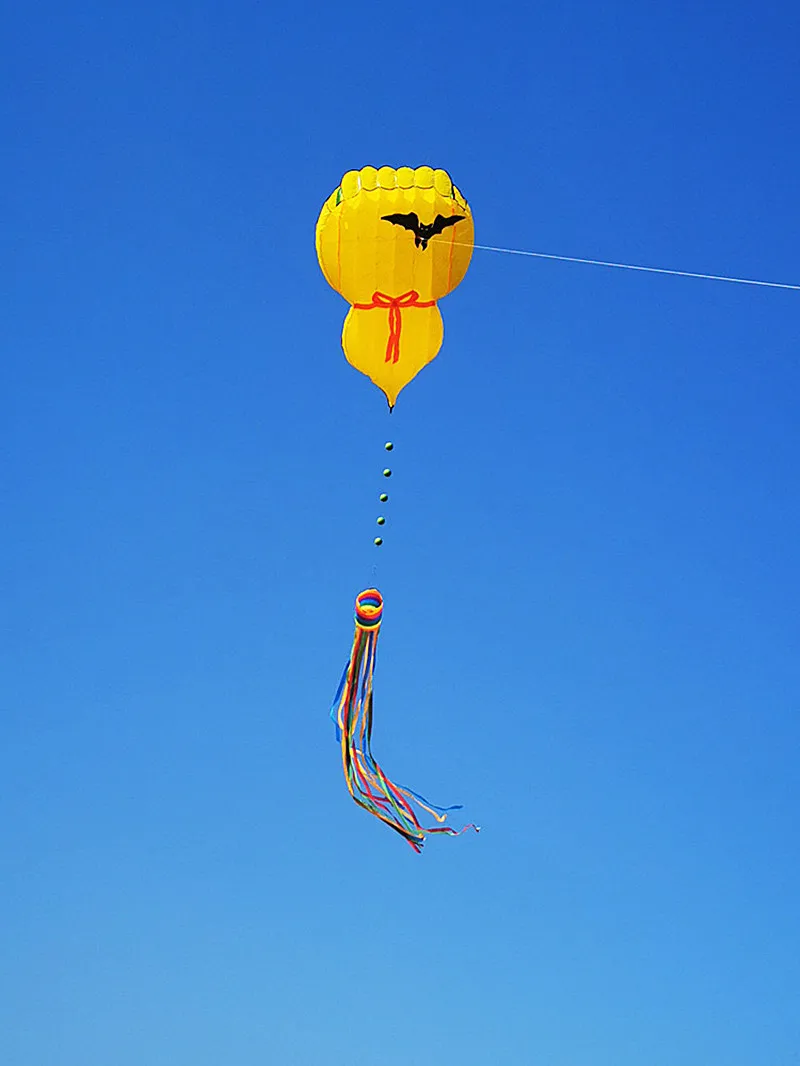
(393, 243)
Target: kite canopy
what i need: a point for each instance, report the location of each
(393, 242)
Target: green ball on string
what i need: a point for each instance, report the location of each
(384, 496)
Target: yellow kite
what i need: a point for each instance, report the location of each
(393, 242)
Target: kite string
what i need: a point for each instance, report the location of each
(629, 266)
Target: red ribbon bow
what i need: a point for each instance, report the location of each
(394, 305)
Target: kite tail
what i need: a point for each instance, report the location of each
(352, 713)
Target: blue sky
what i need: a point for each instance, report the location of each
(591, 572)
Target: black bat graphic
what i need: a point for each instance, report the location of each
(423, 231)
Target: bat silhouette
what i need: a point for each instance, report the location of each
(423, 231)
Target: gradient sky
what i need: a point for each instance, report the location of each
(591, 574)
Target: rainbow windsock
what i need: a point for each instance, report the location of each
(352, 712)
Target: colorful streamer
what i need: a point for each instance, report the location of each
(352, 713)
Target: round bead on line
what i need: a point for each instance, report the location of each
(384, 496)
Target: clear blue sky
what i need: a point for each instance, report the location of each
(591, 577)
